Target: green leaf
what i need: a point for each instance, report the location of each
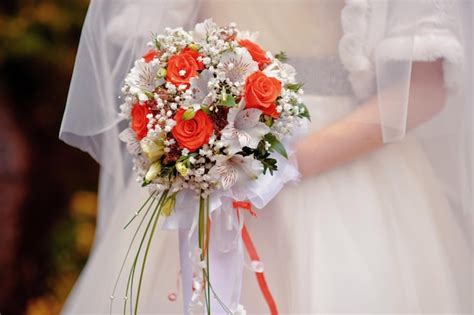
(295, 87)
(276, 145)
(268, 120)
(149, 94)
(269, 164)
(189, 114)
(227, 100)
(155, 41)
(305, 113)
(206, 110)
(281, 56)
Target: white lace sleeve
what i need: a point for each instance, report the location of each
(382, 39)
(420, 30)
(424, 30)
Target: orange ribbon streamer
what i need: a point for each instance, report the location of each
(254, 256)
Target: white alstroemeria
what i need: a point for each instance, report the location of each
(282, 71)
(236, 168)
(252, 36)
(244, 128)
(204, 29)
(201, 93)
(142, 79)
(238, 65)
(130, 138)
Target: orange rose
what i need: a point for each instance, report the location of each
(261, 92)
(139, 120)
(192, 133)
(195, 54)
(150, 55)
(181, 68)
(257, 53)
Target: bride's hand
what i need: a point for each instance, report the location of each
(349, 138)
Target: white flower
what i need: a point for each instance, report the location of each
(237, 168)
(204, 29)
(282, 71)
(238, 65)
(153, 172)
(252, 36)
(130, 138)
(142, 79)
(244, 128)
(200, 88)
(152, 149)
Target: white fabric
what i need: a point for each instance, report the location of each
(374, 236)
(388, 233)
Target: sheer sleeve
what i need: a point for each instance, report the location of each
(382, 41)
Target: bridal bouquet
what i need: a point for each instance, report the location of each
(209, 109)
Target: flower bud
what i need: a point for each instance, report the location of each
(182, 168)
(168, 205)
(193, 46)
(189, 114)
(152, 150)
(161, 73)
(153, 172)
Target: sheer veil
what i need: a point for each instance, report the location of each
(115, 33)
(380, 41)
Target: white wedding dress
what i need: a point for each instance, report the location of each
(377, 235)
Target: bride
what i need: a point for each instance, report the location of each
(380, 220)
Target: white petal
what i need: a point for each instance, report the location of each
(227, 172)
(245, 139)
(238, 65)
(129, 137)
(248, 166)
(247, 118)
(200, 88)
(258, 131)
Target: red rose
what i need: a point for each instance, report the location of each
(192, 133)
(261, 93)
(195, 54)
(181, 68)
(139, 120)
(150, 55)
(257, 53)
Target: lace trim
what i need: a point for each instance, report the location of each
(354, 50)
(435, 39)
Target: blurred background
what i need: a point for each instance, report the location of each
(47, 189)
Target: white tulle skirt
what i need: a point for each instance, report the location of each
(373, 236)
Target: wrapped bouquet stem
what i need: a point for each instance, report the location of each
(211, 118)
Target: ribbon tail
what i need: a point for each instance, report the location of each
(186, 269)
(260, 275)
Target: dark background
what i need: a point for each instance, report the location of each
(47, 189)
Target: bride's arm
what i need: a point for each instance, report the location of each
(347, 139)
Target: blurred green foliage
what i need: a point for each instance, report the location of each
(45, 30)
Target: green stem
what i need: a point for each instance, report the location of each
(130, 247)
(138, 212)
(221, 303)
(152, 232)
(132, 269)
(208, 235)
(202, 235)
